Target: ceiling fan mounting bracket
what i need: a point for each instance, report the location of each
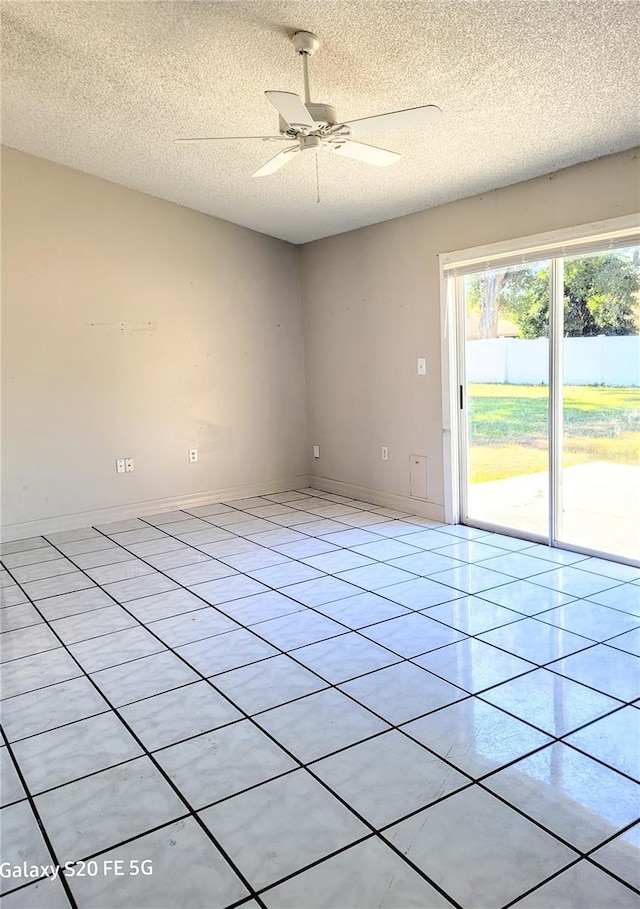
(305, 43)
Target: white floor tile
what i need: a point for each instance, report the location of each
(574, 581)
(475, 737)
(551, 702)
(165, 719)
(362, 609)
(366, 875)
(421, 593)
(622, 856)
(472, 615)
(388, 777)
(608, 669)
(37, 671)
(486, 862)
(204, 878)
(42, 894)
(22, 841)
(297, 629)
(44, 709)
(320, 724)
(411, 635)
(625, 597)
(535, 641)
(345, 657)
(113, 649)
(267, 684)
(579, 886)
(269, 837)
(590, 620)
(573, 796)
(129, 800)
(218, 764)
(525, 597)
(75, 750)
(402, 692)
(328, 622)
(222, 652)
(143, 678)
(11, 789)
(614, 739)
(473, 665)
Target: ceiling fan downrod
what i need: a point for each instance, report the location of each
(306, 44)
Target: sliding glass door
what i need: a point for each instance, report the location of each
(599, 492)
(507, 398)
(550, 399)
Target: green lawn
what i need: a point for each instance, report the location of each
(508, 428)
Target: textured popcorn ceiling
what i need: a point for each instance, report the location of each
(526, 88)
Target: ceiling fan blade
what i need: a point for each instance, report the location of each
(291, 108)
(361, 152)
(278, 161)
(232, 138)
(399, 119)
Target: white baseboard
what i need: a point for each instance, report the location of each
(25, 529)
(386, 499)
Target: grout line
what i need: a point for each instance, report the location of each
(348, 630)
(612, 874)
(279, 744)
(534, 667)
(168, 780)
(264, 732)
(546, 880)
(38, 819)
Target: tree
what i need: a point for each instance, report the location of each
(490, 288)
(601, 296)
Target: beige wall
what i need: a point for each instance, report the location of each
(136, 328)
(371, 302)
(209, 355)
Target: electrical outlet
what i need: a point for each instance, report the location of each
(385, 453)
(316, 451)
(193, 455)
(128, 465)
(120, 465)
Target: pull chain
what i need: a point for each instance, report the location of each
(317, 181)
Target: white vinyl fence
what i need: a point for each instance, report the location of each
(587, 361)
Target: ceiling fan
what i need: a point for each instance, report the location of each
(312, 126)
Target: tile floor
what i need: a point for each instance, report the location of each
(302, 700)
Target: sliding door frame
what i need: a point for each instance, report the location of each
(556, 395)
(560, 243)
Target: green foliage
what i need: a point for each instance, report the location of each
(509, 428)
(600, 296)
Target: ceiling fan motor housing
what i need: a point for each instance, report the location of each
(324, 115)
